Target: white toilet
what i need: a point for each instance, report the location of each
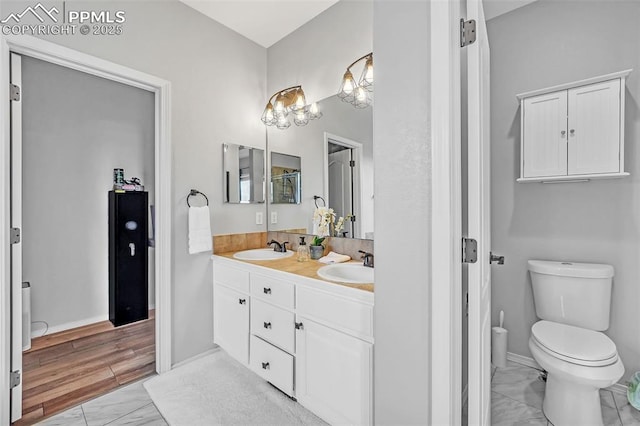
(573, 301)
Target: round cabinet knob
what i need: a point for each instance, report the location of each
(572, 131)
(564, 132)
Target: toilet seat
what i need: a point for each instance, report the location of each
(574, 344)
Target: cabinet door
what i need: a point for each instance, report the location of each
(594, 128)
(545, 135)
(333, 374)
(231, 322)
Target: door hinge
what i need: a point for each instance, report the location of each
(467, 32)
(14, 92)
(14, 379)
(352, 163)
(469, 250)
(14, 237)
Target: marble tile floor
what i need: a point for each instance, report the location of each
(517, 393)
(516, 399)
(129, 405)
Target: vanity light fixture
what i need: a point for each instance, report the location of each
(358, 94)
(289, 101)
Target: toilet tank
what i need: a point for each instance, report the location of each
(572, 293)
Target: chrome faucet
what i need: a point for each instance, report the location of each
(280, 248)
(367, 258)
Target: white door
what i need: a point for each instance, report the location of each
(594, 128)
(340, 184)
(231, 322)
(545, 135)
(333, 374)
(16, 249)
(479, 390)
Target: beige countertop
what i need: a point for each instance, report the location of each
(291, 265)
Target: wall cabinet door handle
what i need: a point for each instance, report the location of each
(132, 248)
(266, 290)
(267, 325)
(242, 301)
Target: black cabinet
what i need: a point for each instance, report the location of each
(128, 257)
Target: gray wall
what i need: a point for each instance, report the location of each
(340, 119)
(76, 129)
(402, 142)
(544, 44)
(218, 90)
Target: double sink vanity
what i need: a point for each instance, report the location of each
(305, 327)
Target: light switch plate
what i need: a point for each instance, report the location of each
(258, 218)
(274, 217)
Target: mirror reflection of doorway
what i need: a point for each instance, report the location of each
(341, 165)
(343, 183)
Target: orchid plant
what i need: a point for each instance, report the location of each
(325, 224)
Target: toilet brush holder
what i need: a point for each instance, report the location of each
(499, 346)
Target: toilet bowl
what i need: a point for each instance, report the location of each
(579, 362)
(572, 301)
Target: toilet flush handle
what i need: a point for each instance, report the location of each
(496, 258)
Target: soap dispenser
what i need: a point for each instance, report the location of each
(303, 251)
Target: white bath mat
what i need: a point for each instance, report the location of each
(217, 390)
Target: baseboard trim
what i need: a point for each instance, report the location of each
(67, 326)
(619, 388)
(523, 360)
(194, 358)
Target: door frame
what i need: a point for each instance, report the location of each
(446, 224)
(56, 54)
(357, 192)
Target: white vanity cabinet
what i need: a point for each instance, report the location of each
(334, 368)
(573, 131)
(272, 342)
(231, 304)
(311, 339)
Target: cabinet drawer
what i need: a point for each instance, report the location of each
(231, 277)
(273, 324)
(273, 290)
(349, 316)
(272, 364)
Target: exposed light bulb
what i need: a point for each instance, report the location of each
(367, 76)
(361, 94)
(313, 109)
(301, 102)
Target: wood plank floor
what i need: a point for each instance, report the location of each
(64, 369)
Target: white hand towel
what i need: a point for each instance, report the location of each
(199, 230)
(334, 257)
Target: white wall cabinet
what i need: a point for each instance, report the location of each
(311, 339)
(573, 131)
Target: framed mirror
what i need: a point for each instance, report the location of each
(286, 179)
(337, 151)
(243, 169)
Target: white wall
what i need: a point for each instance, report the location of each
(403, 212)
(540, 45)
(317, 54)
(218, 89)
(76, 129)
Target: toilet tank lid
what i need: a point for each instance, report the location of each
(571, 269)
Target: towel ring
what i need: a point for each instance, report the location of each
(315, 200)
(195, 192)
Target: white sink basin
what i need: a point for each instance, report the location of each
(261, 254)
(347, 273)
